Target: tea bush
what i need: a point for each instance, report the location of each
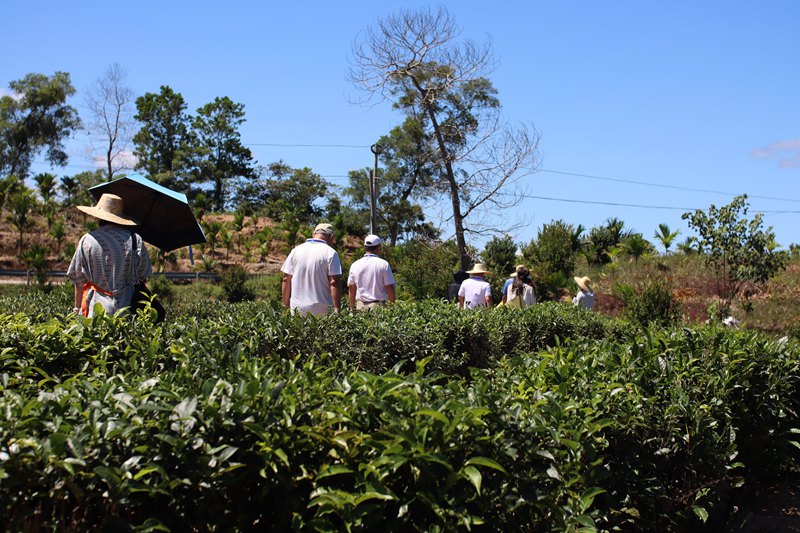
(413, 417)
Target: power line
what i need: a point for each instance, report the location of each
(596, 202)
(308, 145)
(663, 186)
(618, 204)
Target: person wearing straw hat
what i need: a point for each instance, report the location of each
(370, 281)
(507, 283)
(585, 296)
(109, 261)
(312, 275)
(475, 291)
(520, 293)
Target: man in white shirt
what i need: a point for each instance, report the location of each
(475, 291)
(370, 282)
(312, 274)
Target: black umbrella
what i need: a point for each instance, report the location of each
(165, 218)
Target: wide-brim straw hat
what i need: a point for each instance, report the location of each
(109, 208)
(479, 268)
(584, 283)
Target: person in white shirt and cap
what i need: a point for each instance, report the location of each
(475, 291)
(370, 282)
(585, 296)
(312, 275)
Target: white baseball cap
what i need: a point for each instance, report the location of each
(372, 240)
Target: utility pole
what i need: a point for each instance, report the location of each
(373, 187)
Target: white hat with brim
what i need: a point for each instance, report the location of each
(372, 240)
(584, 283)
(479, 268)
(109, 208)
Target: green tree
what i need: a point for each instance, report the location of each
(34, 119)
(212, 230)
(161, 143)
(21, 206)
(688, 246)
(58, 232)
(294, 193)
(601, 242)
(69, 188)
(555, 249)
(636, 246)
(500, 254)
(423, 268)
(415, 59)
(665, 236)
(218, 156)
(406, 178)
(85, 181)
(738, 250)
(46, 183)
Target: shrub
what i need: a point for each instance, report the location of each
(161, 287)
(652, 304)
(235, 284)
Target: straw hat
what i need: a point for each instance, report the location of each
(109, 208)
(516, 268)
(479, 268)
(584, 283)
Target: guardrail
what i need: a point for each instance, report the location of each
(28, 274)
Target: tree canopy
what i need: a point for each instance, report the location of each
(35, 119)
(416, 60)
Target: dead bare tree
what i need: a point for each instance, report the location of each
(110, 105)
(416, 60)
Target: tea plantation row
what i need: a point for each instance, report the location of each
(240, 417)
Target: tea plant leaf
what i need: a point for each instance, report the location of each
(373, 496)
(701, 513)
(433, 414)
(588, 496)
(474, 476)
(587, 522)
(334, 470)
(485, 461)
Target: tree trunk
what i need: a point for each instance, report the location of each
(458, 219)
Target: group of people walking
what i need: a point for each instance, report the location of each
(110, 261)
(471, 290)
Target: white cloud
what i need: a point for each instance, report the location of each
(123, 159)
(787, 153)
(13, 95)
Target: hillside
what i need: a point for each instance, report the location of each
(176, 261)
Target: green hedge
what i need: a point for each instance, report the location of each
(242, 417)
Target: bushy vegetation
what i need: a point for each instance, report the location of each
(412, 417)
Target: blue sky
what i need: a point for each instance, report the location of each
(639, 103)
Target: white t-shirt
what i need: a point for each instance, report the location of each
(310, 264)
(370, 275)
(528, 294)
(584, 299)
(475, 291)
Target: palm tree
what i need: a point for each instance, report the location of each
(687, 246)
(665, 236)
(636, 246)
(21, 205)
